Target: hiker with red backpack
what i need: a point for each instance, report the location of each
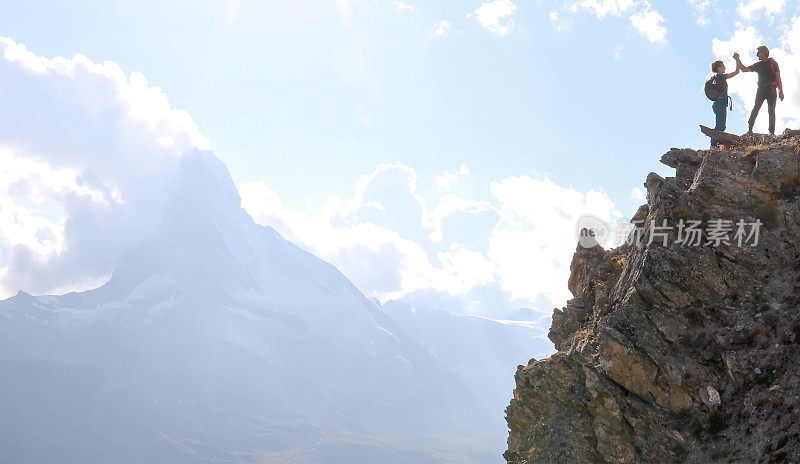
(769, 80)
(717, 90)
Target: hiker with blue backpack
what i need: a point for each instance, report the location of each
(716, 89)
(769, 80)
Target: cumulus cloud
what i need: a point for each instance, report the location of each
(445, 180)
(496, 15)
(701, 8)
(441, 28)
(533, 245)
(644, 18)
(359, 235)
(650, 24)
(87, 154)
(744, 40)
(603, 8)
(750, 8)
(402, 6)
(463, 221)
(484, 257)
(557, 21)
(380, 237)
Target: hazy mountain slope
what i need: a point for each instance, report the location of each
(218, 340)
(483, 351)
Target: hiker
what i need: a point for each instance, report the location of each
(720, 105)
(769, 79)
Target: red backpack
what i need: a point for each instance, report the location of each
(772, 66)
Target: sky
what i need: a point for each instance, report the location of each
(438, 153)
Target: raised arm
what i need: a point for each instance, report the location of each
(739, 65)
(729, 75)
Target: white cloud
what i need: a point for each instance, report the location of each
(787, 55)
(557, 21)
(87, 153)
(441, 28)
(650, 24)
(637, 194)
(463, 221)
(402, 6)
(647, 20)
(496, 15)
(445, 180)
(487, 257)
(747, 10)
(604, 8)
(701, 8)
(743, 40)
(533, 245)
(380, 237)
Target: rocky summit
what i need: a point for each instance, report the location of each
(682, 344)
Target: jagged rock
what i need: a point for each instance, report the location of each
(679, 353)
(677, 156)
(710, 396)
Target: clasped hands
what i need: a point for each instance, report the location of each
(740, 66)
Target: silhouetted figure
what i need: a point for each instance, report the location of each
(769, 80)
(720, 105)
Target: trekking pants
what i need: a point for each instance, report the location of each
(720, 107)
(765, 92)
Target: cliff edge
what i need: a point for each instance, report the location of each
(677, 348)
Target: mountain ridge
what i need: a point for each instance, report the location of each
(217, 340)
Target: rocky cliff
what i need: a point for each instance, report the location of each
(672, 351)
